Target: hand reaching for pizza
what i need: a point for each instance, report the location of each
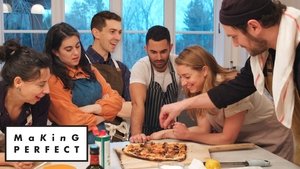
(168, 113)
(157, 135)
(139, 138)
(180, 131)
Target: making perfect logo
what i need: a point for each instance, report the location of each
(49, 143)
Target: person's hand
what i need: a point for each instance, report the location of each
(180, 130)
(157, 135)
(23, 165)
(139, 138)
(105, 96)
(168, 113)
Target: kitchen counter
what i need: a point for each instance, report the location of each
(230, 156)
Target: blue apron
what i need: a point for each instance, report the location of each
(85, 92)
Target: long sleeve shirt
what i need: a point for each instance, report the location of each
(39, 111)
(64, 112)
(243, 85)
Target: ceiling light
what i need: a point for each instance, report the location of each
(37, 9)
(6, 8)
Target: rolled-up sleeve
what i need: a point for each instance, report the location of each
(62, 110)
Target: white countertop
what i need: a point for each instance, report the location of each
(228, 156)
(240, 155)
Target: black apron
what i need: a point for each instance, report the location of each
(155, 99)
(112, 75)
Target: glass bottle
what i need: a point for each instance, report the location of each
(94, 157)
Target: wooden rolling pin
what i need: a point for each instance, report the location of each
(231, 147)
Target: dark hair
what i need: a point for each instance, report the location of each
(158, 33)
(55, 36)
(98, 20)
(21, 61)
(272, 18)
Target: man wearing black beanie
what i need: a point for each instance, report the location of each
(270, 32)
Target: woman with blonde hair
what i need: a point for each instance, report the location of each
(249, 120)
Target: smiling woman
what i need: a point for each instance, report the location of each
(199, 72)
(24, 90)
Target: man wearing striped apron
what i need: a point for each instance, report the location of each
(153, 83)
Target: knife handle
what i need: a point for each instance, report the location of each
(261, 163)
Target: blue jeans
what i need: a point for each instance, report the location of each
(91, 137)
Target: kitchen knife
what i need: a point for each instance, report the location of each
(260, 163)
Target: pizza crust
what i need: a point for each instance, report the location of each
(163, 151)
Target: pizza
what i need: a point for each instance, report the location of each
(157, 151)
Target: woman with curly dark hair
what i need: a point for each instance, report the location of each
(24, 98)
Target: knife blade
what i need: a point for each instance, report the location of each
(260, 163)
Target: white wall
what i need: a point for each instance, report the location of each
(294, 3)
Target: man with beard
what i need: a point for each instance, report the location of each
(153, 83)
(270, 32)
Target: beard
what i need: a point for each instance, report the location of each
(159, 65)
(258, 46)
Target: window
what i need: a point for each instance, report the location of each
(27, 21)
(190, 22)
(138, 16)
(79, 14)
(194, 24)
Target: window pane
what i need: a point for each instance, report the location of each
(194, 15)
(33, 40)
(141, 15)
(79, 13)
(138, 16)
(133, 48)
(194, 24)
(185, 40)
(23, 15)
(86, 39)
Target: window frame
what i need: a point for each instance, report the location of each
(222, 46)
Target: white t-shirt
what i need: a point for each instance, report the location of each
(141, 73)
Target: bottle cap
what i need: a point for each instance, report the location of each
(102, 133)
(94, 149)
(95, 130)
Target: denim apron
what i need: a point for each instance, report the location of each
(155, 99)
(86, 92)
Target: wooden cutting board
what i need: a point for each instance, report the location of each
(194, 150)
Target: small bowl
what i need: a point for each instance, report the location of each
(170, 165)
(59, 166)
